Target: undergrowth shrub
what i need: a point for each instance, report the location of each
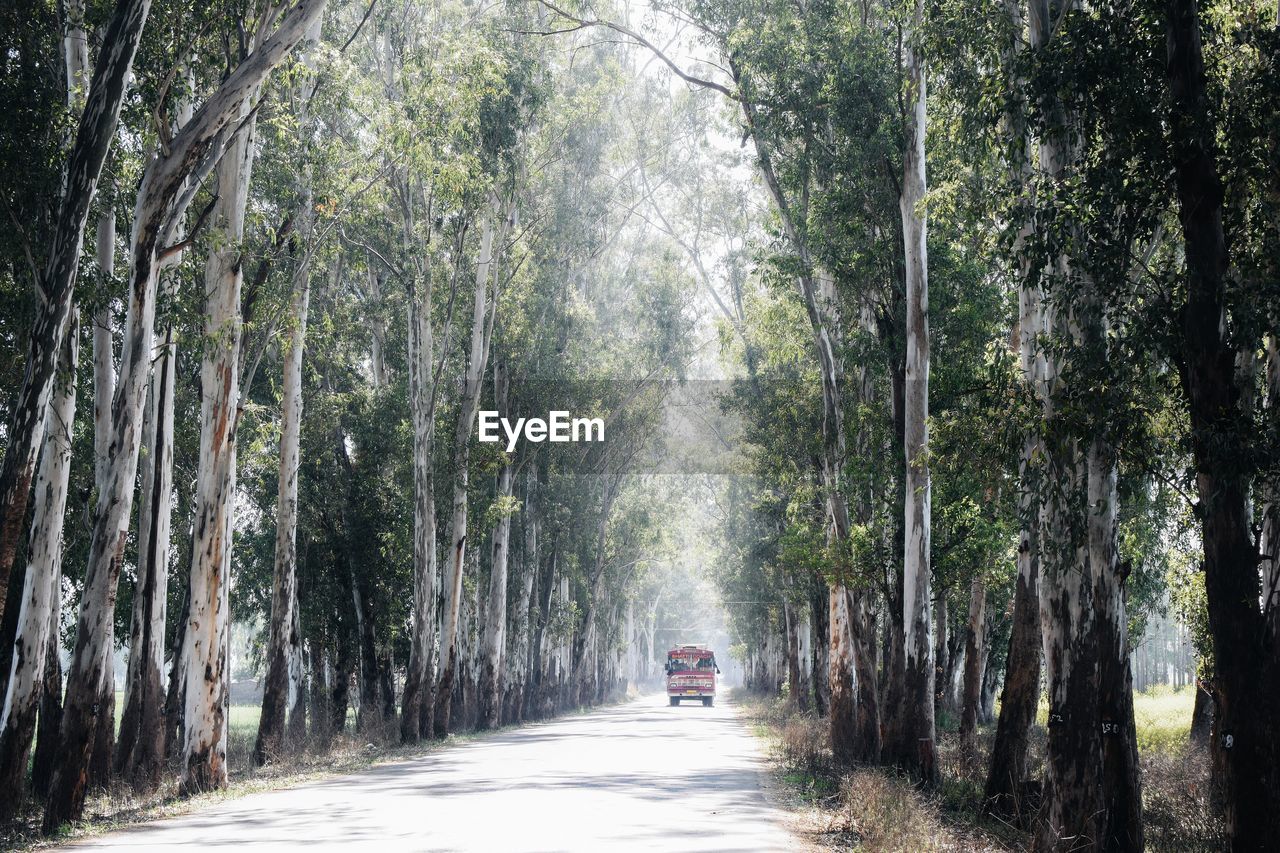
(805, 744)
(1177, 803)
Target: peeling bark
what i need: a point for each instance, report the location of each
(493, 633)
(481, 329)
(284, 643)
(42, 589)
(418, 701)
(93, 138)
(161, 184)
(917, 749)
(283, 680)
(205, 715)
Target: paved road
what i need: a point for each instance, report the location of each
(640, 776)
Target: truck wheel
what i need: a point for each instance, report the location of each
(675, 700)
(707, 701)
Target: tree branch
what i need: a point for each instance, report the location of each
(182, 245)
(643, 42)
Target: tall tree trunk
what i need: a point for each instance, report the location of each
(94, 134)
(481, 329)
(284, 644)
(161, 184)
(42, 587)
(205, 718)
(283, 681)
(1092, 796)
(494, 631)
(1007, 778)
(418, 701)
(975, 659)
(918, 751)
(854, 713)
(140, 754)
(1246, 675)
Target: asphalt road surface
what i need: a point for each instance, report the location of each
(639, 776)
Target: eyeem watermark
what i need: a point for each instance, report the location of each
(558, 426)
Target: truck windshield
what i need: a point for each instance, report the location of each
(691, 663)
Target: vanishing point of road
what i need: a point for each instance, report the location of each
(638, 776)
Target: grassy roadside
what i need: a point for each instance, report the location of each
(876, 809)
(867, 808)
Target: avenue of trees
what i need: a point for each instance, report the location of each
(264, 264)
(996, 285)
(1007, 373)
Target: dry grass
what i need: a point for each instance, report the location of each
(1176, 803)
(867, 808)
(875, 809)
(884, 812)
(803, 744)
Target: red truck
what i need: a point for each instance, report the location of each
(691, 674)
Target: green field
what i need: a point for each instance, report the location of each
(1161, 716)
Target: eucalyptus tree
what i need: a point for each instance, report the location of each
(1216, 329)
(162, 183)
(493, 238)
(96, 127)
(283, 687)
(917, 709)
(42, 578)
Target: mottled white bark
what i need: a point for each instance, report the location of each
(494, 627)
(42, 587)
(918, 713)
(140, 752)
(161, 184)
(205, 720)
(282, 687)
(284, 645)
(481, 328)
(98, 104)
(204, 717)
(418, 706)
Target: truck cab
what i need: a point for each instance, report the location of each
(691, 674)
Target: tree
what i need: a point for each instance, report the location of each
(918, 728)
(1247, 748)
(161, 185)
(284, 643)
(94, 134)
